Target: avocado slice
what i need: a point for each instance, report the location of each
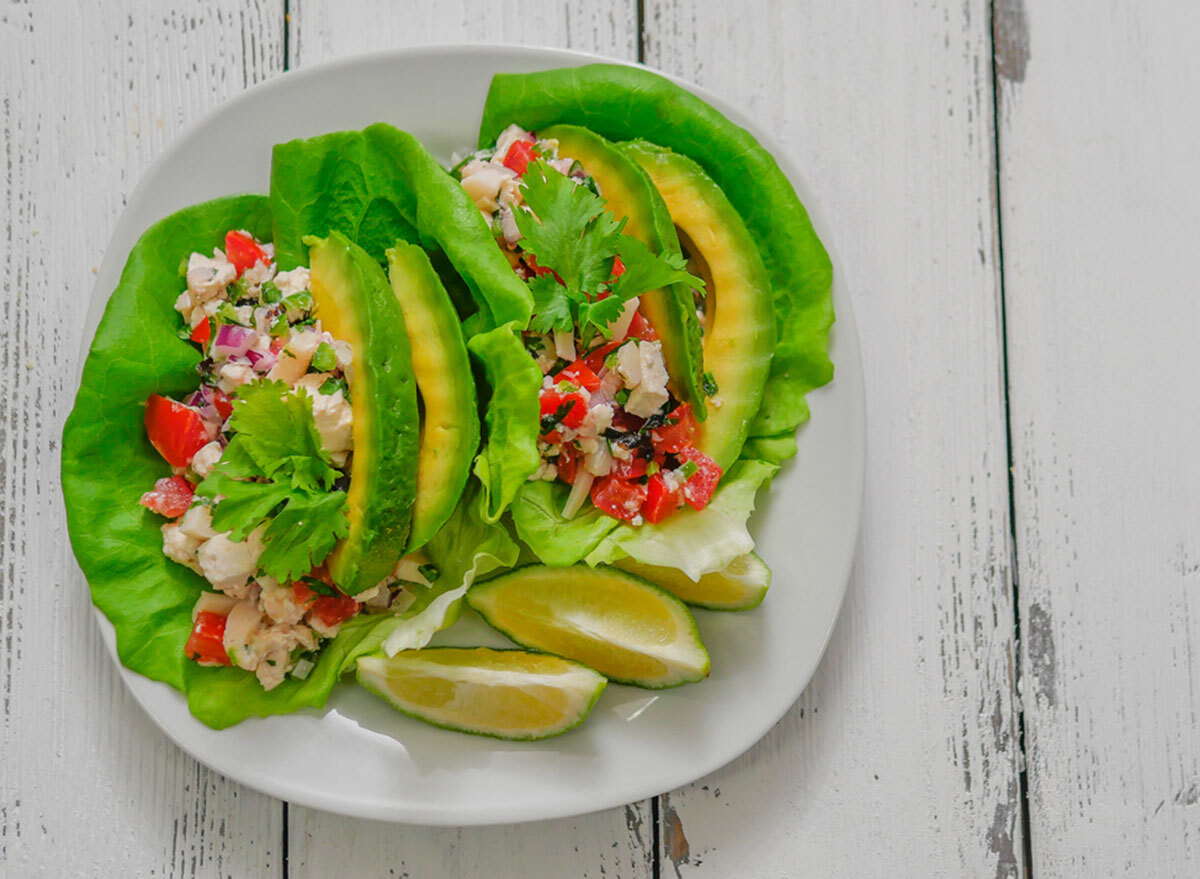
(356, 304)
(449, 417)
(739, 331)
(630, 194)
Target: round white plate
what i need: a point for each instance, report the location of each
(359, 757)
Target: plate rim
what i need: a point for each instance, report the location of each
(846, 326)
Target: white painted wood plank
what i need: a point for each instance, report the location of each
(1099, 135)
(900, 759)
(613, 843)
(88, 96)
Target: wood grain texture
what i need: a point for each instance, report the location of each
(1099, 187)
(901, 757)
(88, 96)
(618, 842)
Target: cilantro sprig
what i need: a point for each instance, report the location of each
(568, 231)
(275, 470)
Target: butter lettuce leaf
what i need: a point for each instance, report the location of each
(557, 541)
(628, 103)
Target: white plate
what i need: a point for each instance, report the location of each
(360, 758)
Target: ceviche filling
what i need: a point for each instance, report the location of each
(611, 427)
(261, 453)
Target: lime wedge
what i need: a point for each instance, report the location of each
(508, 694)
(740, 586)
(623, 626)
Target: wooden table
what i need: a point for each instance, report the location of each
(1011, 689)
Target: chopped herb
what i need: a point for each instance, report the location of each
(238, 294)
(319, 586)
(268, 293)
(430, 572)
(610, 362)
(227, 314)
(623, 396)
(298, 305)
(332, 385)
(324, 359)
(709, 384)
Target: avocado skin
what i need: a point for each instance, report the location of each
(739, 338)
(630, 193)
(355, 303)
(450, 419)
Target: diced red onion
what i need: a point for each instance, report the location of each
(233, 340)
(261, 361)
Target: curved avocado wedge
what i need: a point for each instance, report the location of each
(449, 416)
(355, 303)
(624, 627)
(629, 193)
(741, 585)
(739, 332)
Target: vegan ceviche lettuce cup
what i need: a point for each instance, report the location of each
(311, 421)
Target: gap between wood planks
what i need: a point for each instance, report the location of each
(1010, 55)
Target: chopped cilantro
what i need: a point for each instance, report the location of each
(332, 385)
(709, 384)
(569, 231)
(268, 293)
(324, 359)
(298, 305)
(276, 472)
(320, 587)
(226, 314)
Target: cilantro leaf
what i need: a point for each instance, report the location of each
(646, 271)
(303, 533)
(551, 305)
(276, 471)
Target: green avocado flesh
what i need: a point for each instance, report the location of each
(630, 194)
(449, 417)
(739, 333)
(356, 304)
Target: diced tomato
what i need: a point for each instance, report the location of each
(333, 610)
(700, 485)
(552, 401)
(531, 261)
(222, 403)
(631, 469)
(175, 430)
(243, 251)
(302, 592)
(202, 332)
(580, 375)
(595, 360)
(678, 433)
(171, 497)
(620, 498)
(640, 328)
(206, 644)
(519, 155)
(661, 501)
(568, 460)
(618, 267)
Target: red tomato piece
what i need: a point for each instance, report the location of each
(332, 610)
(552, 401)
(619, 498)
(580, 375)
(202, 333)
(568, 460)
(618, 268)
(677, 436)
(519, 155)
(171, 497)
(595, 360)
(700, 485)
(661, 500)
(631, 469)
(222, 402)
(175, 430)
(640, 328)
(206, 644)
(243, 251)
